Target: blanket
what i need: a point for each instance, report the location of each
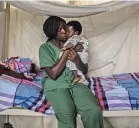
(116, 92)
(22, 93)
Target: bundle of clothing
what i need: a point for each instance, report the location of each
(21, 68)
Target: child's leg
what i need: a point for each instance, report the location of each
(77, 78)
(71, 65)
(75, 73)
(84, 56)
(74, 69)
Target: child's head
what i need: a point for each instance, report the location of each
(74, 28)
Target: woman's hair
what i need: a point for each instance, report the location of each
(51, 26)
(76, 26)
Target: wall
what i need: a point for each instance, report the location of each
(2, 27)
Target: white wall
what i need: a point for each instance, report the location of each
(2, 26)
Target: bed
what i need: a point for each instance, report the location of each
(117, 95)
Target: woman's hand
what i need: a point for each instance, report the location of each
(79, 47)
(72, 55)
(75, 58)
(65, 55)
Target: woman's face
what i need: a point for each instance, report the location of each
(62, 34)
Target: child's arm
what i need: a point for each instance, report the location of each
(67, 47)
(71, 42)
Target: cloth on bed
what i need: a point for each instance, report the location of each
(130, 81)
(7, 93)
(134, 97)
(23, 93)
(110, 94)
(27, 94)
(118, 99)
(117, 92)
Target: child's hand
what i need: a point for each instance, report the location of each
(79, 47)
(64, 49)
(67, 47)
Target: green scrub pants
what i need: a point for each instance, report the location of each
(69, 102)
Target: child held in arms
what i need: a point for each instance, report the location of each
(74, 34)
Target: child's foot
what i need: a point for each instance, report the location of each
(78, 79)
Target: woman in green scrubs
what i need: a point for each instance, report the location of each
(66, 98)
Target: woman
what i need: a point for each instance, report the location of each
(67, 98)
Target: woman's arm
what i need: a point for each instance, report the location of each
(74, 57)
(56, 70)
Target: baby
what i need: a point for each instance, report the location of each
(75, 29)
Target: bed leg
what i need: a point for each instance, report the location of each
(7, 124)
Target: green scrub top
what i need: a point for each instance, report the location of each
(48, 56)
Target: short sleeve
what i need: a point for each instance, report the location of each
(85, 43)
(84, 57)
(45, 57)
(73, 40)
